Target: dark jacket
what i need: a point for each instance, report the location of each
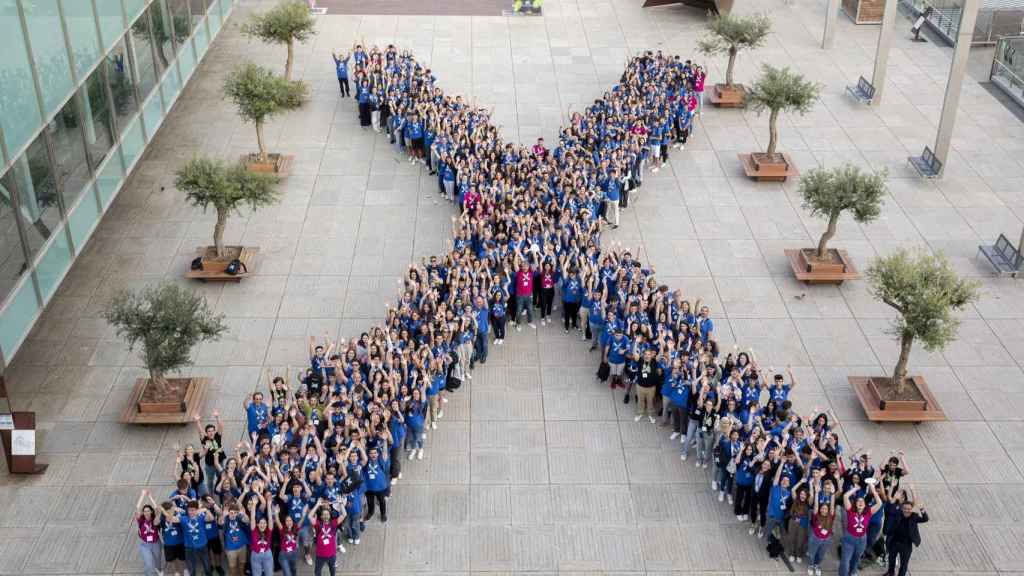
(910, 523)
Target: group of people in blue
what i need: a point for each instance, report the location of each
(323, 447)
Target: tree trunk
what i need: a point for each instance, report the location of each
(259, 141)
(833, 220)
(291, 57)
(899, 373)
(773, 131)
(218, 231)
(732, 64)
(158, 382)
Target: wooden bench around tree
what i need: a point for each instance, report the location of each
(214, 270)
(864, 91)
(1004, 257)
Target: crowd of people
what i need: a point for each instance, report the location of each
(323, 447)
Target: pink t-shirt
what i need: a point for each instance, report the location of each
(547, 280)
(822, 531)
(260, 541)
(524, 283)
(147, 531)
(857, 522)
(325, 539)
(289, 539)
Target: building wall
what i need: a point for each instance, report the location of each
(84, 86)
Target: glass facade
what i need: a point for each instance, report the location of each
(84, 85)
(1008, 69)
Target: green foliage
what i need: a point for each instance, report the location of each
(167, 321)
(782, 89)
(260, 94)
(209, 182)
(830, 192)
(290, 20)
(925, 290)
(728, 32)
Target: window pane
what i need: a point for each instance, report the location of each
(133, 8)
(171, 87)
(186, 59)
(12, 258)
(82, 220)
(19, 109)
(111, 21)
(162, 34)
(85, 45)
(53, 264)
(99, 136)
(154, 114)
(202, 38)
(121, 84)
(17, 318)
(37, 194)
(225, 7)
(214, 19)
(198, 9)
(144, 71)
(48, 50)
(179, 12)
(110, 178)
(65, 132)
(132, 142)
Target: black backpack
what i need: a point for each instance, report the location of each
(235, 267)
(197, 263)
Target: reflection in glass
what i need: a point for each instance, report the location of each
(198, 9)
(144, 71)
(122, 86)
(182, 23)
(19, 107)
(99, 136)
(71, 169)
(48, 51)
(81, 25)
(37, 194)
(111, 18)
(12, 258)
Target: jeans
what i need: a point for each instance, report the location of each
(703, 445)
(262, 563)
(817, 549)
(771, 524)
(725, 480)
(151, 557)
(480, 347)
(352, 524)
(853, 549)
(210, 473)
(328, 562)
(414, 439)
(524, 304)
(691, 433)
(195, 557)
(289, 562)
(874, 529)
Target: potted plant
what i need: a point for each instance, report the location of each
(259, 95)
(728, 34)
(167, 320)
(286, 23)
(828, 193)
(208, 183)
(777, 90)
(925, 290)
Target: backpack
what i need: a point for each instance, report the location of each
(235, 267)
(197, 263)
(603, 371)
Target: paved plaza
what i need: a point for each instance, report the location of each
(536, 468)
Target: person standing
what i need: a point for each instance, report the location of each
(524, 294)
(261, 558)
(905, 536)
(858, 516)
(325, 528)
(341, 66)
(149, 539)
(649, 377)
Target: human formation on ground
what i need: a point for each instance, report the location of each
(322, 448)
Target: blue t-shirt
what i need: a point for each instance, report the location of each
(617, 350)
(777, 502)
(375, 475)
(193, 530)
(171, 533)
(342, 67)
(256, 415)
(236, 533)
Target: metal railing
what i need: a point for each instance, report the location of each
(1007, 69)
(943, 16)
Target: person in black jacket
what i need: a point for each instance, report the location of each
(905, 536)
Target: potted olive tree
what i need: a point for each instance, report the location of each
(925, 291)
(210, 183)
(287, 23)
(728, 34)
(259, 95)
(828, 193)
(777, 90)
(167, 321)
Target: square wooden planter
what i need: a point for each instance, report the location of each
(214, 268)
(723, 96)
(808, 269)
(880, 410)
(191, 392)
(768, 167)
(279, 164)
(864, 11)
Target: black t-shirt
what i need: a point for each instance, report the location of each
(214, 449)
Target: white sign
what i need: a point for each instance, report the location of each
(23, 442)
(6, 422)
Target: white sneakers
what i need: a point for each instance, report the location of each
(637, 418)
(419, 455)
(440, 414)
(341, 548)
(721, 496)
(433, 425)
(412, 454)
(532, 325)
(714, 486)
(673, 436)
(650, 419)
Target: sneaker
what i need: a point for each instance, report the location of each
(566, 330)
(817, 571)
(625, 400)
(394, 481)
(739, 517)
(532, 325)
(792, 559)
(351, 541)
(341, 549)
(682, 457)
(810, 571)
(412, 455)
(309, 560)
(745, 517)
(760, 532)
(697, 463)
(419, 455)
(799, 560)
(444, 400)
(650, 419)
(356, 542)
(519, 328)
(433, 425)
(440, 414)
(752, 530)
(730, 499)
(637, 417)
(714, 486)
(469, 376)
(423, 436)
(721, 496)
(682, 439)
(704, 465)
(673, 436)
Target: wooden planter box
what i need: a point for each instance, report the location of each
(181, 410)
(279, 164)
(214, 268)
(722, 96)
(864, 11)
(764, 168)
(879, 410)
(808, 269)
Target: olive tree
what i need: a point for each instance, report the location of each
(778, 90)
(828, 192)
(207, 183)
(286, 23)
(167, 321)
(728, 34)
(925, 290)
(259, 94)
